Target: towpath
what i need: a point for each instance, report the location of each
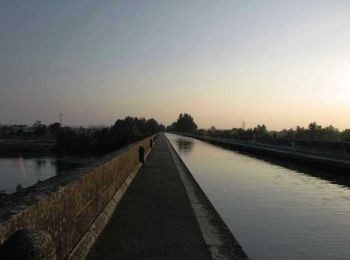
(154, 219)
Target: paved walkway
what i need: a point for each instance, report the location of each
(154, 219)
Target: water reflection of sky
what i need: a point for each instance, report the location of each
(275, 212)
(28, 171)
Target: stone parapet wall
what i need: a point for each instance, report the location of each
(66, 205)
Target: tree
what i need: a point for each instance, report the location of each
(54, 128)
(314, 130)
(152, 126)
(300, 133)
(345, 135)
(330, 133)
(212, 129)
(185, 123)
(260, 130)
(38, 128)
(108, 139)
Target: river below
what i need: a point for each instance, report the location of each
(21, 172)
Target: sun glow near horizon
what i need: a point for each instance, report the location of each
(269, 62)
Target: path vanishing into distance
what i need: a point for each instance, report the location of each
(164, 216)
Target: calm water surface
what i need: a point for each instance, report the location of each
(274, 212)
(26, 171)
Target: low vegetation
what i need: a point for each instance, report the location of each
(314, 132)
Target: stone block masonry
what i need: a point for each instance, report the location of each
(75, 205)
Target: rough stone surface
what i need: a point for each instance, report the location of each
(87, 241)
(29, 244)
(66, 205)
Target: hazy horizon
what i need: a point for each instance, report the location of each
(278, 63)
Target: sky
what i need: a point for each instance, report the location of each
(280, 63)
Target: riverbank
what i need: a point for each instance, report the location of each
(14, 146)
(334, 162)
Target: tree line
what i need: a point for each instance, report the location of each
(87, 140)
(37, 129)
(314, 131)
(184, 123)
(106, 139)
(99, 140)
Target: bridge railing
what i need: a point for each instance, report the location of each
(59, 212)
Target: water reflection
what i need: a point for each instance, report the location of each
(21, 166)
(26, 171)
(318, 172)
(276, 209)
(40, 162)
(301, 167)
(184, 146)
(63, 165)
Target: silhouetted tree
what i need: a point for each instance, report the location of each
(345, 135)
(185, 123)
(260, 131)
(54, 128)
(104, 140)
(330, 133)
(38, 128)
(314, 130)
(171, 127)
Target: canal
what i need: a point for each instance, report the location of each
(274, 211)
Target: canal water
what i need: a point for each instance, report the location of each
(26, 171)
(275, 212)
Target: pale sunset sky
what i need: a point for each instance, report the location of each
(281, 63)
